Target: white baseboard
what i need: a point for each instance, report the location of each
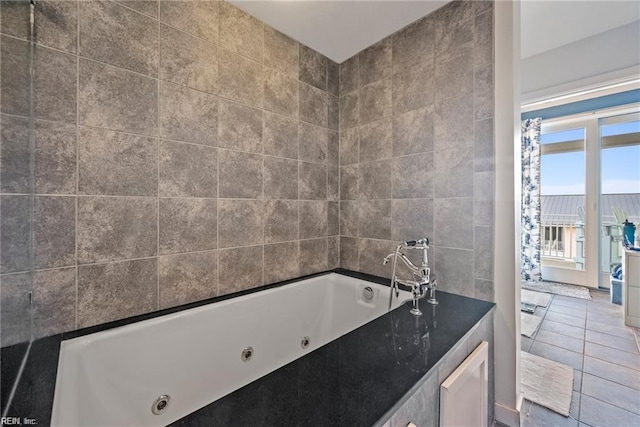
(508, 416)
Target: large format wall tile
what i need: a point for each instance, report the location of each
(187, 170)
(374, 219)
(333, 218)
(349, 218)
(280, 178)
(187, 278)
(239, 127)
(413, 177)
(483, 145)
(280, 136)
(118, 36)
(454, 269)
(14, 68)
(413, 132)
(453, 26)
(313, 143)
(349, 182)
(280, 52)
(375, 62)
(240, 268)
(240, 79)
(15, 232)
(54, 295)
(14, 157)
(454, 77)
(416, 147)
(187, 225)
(199, 18)
(55, 158)
(188, 115)
(349, 146)
(52, 243)
(375, 101)
(452, 226)
(349, 75)
(54, 231)
(411, 219)
(349, 253)
(333, 78)
(240, 175)
(240, 223)
(453, 172)
(313, 219)
(114, 291)
(55, 22)
(54, 166)
(54, 85)
(376, 141)
(281, 93)
(314, 107)
(116, 99)
(383, 133)
(113, 163)
(453, 123)
(312, 181)
(349, 110)
(280, 221)
(371, 183)
(240, 32)
(483, 250)
(313, 68)
(188, 60)
(413, 87)
(115, 228)
(313, 256)
(281, 261)
(413, 44)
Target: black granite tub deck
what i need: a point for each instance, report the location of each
(352, 381)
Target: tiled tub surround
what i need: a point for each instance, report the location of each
(183, 150)
(373, 375)
(416, 147)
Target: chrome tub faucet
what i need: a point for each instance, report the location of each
(424, 282)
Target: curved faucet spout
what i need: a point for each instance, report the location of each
(414, 269)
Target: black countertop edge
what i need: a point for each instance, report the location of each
(433, 371)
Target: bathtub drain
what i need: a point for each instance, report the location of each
(161, 404)
(367, 293)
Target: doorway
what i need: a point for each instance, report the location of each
(590, 180)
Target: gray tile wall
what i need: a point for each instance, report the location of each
(416, 148)
(183, 150)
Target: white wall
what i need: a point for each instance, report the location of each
(507, 212)
(611, 55)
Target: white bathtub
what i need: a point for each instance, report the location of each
(113, 377)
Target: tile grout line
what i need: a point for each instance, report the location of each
(77, 171)
(159, 112)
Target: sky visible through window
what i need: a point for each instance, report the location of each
(564, 173)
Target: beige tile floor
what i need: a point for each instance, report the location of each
(591, 337)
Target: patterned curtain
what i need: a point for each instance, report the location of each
(530, 261)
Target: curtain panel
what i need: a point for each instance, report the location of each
(530, 259)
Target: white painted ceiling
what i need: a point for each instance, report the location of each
(546, 24)
(338, 29)
(341, 28)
